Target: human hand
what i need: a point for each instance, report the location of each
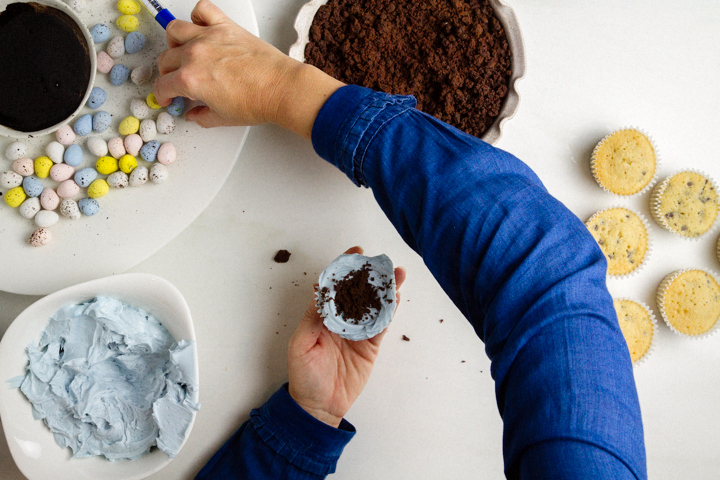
(241, 79)
(327, 372)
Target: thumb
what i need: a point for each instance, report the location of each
(204, 117)
(207, 13)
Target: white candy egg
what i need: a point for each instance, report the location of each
(138, 176)
(118, 180)
(97, 146)
(116, 47)
(46, 218)
(165, 123)
(10, 179)
(141, 75)
(69, 208)
(55, 151)
(148, 130)
(16, 150)
(139, 108)
(158, 173)
(30, 207)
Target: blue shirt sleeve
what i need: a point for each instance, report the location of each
(520, 266)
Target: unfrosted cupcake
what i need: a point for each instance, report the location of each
(685, 203)
(638, 326)
(689, 301)
(625, 162)
(622, 236)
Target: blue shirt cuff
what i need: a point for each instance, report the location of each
(300, 438)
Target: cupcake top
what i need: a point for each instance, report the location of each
(637, 327)
(624, 162)
(622, 237)
(690, 301)
(686, 204)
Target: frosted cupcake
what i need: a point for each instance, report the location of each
(625, 162)
(638, 326)
(622, 236)
(689, 301)
(685, 203)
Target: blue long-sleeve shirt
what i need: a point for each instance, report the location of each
(520, 266)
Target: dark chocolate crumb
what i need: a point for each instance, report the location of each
(406, 338)
(282, 256)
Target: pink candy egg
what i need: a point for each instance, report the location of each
(133, 144)
(167, 153)
(49, 200)
(68, 189)
(116, 147)
(61, 172)
(24, 167)
(65, 135)
(104, 62)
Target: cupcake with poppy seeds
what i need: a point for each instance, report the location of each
(623, 237)
(638, 327)
(689, 301)
(686, 204)
(625, 162)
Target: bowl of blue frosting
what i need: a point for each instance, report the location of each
(100, 378)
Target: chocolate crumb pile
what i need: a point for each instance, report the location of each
(282, 256)
(452, 55)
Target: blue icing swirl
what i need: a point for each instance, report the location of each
(108, 379)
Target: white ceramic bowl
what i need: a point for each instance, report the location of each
(507, 18)
(9, 132)
(31, 443)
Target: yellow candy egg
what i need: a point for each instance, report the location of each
(98, 188)
(128, 23)
(128, 7)
(43, 166)
(106, 165)
(129, 125)
(15, 196)
(128, 163)
(152, 102)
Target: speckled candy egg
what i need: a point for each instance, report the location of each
(139, 108)
(101, 121)
(15, 197)
(61, 172)
(119, 74)
(83, 125)
(167, 153)
(32, 186)
(43, 166)
(49, 200)
(85, 176)
(118, 180)
(30, 207)
(116, 147)
(165, 123)
(46, 218)
(100, 32)
(127, 163)
(104, 62)
(24, 167)
(77, 5)
(65, 135)
(89, 206)
(128, 7)
(149, 151)
(141, 75)
(73, 155)
(176, 107)
(98, 188)
(158, 173)
(127, 23)
(152, 101)
(97, 98)
(139, 176)
(148, 130)
(133, 144)
(134, 42)
(68, 189)
(106, 165)
(128, 126)
(69, 208)
(116, 47)
(16, 150)
(55, 151)
(10, 179)
(97, 146)
(42, 236)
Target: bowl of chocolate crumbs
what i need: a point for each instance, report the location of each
(460, 59)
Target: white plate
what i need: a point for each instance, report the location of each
(31, 443)
(135, 222)
(507, 18)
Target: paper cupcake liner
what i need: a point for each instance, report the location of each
(652, 181)
(660, 219)
(717, 249)
(662, 290)
(653, 319)
(646, 224)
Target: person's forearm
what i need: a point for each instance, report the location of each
(517, 263)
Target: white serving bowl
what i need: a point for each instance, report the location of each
(507, 18)
(9, 132)
(31, 443)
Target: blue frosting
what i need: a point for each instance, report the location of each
(108, 379)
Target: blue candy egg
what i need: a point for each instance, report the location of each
(119, 74)
(97, 97)
(32, 186)
(85, 176)
(83, 125)
(73, 155)
(100, 32)
(148, 152)
(89, 206)
(176, 106)
(101, 121)
(134, 42)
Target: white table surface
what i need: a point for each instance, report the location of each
(593, 67)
